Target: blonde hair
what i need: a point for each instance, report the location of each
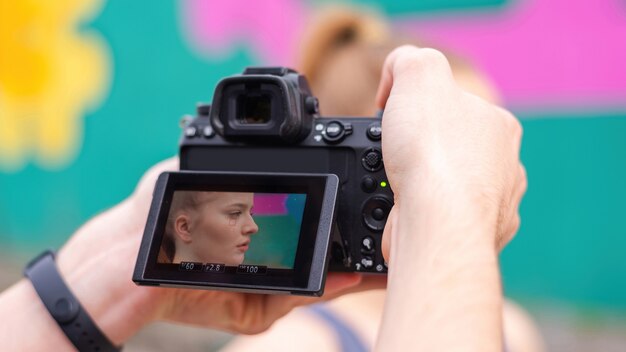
(182, 201)
(342, 54)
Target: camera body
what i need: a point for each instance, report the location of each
(267, 120)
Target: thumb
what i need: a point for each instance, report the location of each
(387, 234)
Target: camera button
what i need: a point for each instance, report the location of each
(368, 184)
(378, 214)
(374, 131)
(334, 129)
(203, 109)
(367, 245)
(312, 105)
(372, 160)
(208, 132)
(367, 262)
(191, 131)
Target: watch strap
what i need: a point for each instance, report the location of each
(64, 307)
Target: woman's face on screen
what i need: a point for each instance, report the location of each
(221, 226)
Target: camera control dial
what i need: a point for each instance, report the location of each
(375, 212)
(372, 159)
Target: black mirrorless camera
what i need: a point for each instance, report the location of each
(270, 195)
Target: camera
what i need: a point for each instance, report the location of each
(262, 144)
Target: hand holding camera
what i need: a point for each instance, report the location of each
(449, 147)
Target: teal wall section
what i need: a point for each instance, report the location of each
(276, 243)
(573, 237)
(404, 7)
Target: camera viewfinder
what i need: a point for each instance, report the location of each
(254, 109)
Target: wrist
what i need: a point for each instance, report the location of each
(444, 261)
(21, 303)
(117, 310)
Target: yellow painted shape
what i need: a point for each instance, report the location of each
(50, 74)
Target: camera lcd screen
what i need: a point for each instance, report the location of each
(232, 229)
(253, 232)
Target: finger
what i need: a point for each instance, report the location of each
(386, 79)
(149, 178)
(336, 285)
(513, 224)
(520, 189)
(512, 217)
(143, 192)
(386, 240)
(416, 68)
(522, 182)
(369, 282)
(337, 282)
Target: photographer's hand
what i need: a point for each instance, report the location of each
(453, 162)
(97, 264)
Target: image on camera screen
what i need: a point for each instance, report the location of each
(233, 228)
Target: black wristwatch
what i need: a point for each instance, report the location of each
(64, 307)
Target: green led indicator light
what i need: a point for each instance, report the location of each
(383, 184)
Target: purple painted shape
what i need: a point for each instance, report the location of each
(270, 27)
(557, 53)
(270, 204)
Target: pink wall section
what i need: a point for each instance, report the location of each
(540, 53)
(554, 53)
(270, 204)
(269, 27)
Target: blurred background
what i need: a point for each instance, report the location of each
(91, 93)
